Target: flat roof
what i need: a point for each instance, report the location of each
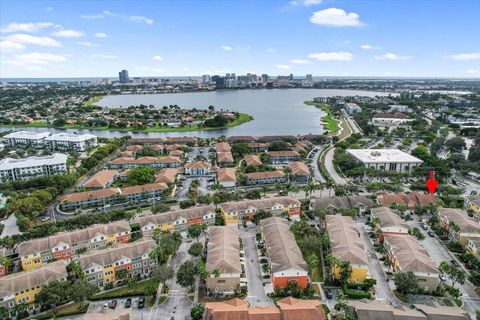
(70, 137)
(10, 163)
(383, 156)
(27, 135)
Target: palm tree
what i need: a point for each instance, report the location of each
(312, 261)
(265, 268)
(333, 262)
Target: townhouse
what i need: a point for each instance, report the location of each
(176, 153)
(346, 245)
(410, 200)
(103, 267)
(265, 177)
(242, 139)
(176, 220)
(406, 254)
(282, 157)
(26, 139)
(388, 222)
(473, 247)
(233, 212)
(259, 146)
(252, 160)
(223, 147)
(224, 158)
(105, 197)
(299, 172)
(70, 142)
(170, 140)
(285, 258)
(23, 287)
(466, 228)
(361, 203)
(198, 168)
(223, 255)
(155, 162)
(62, 246)
(32, 167)
(226, 177)
(101, 180)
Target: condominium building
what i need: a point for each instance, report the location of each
(281, 157)
(156, 162)
(386, 159)
(226, 177)
(410, 200)
(167, 175)
(385, 120)
(285, 258)
(361, 203)
(198, 168)
(265, 177)
(252, 160)
(346, 245)
(465, 229)
(70, 142)
(233, 212)
(62, 246)
(102, 267)
(299, 172)
(101, 180)
(223, 255)
(32, 167)
(27, 139)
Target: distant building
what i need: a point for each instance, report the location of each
(197, 168)
(386, 159)
(70, 142)
(123, 76)
(352, 108)
(290, 77)
(206, 79)
(398, 108)
(265, 177)
(384, 120)
(309, 77)
(218, 81)
(25, 139)
(31, 167)
(320, 99)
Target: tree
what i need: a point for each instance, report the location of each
(202, 270)
(369, 283)
(195, 230)
(53, 293)
(265, 268)
(5, 261)
(456, 144)
(121, 274)
(333, 262)
(313, 262)
(81, 291)
(345, 272)
(456, 276)
(444, 268)
(406, 282)
(162, 273)
(185, 274)
(141, 175)
(150, 290)
(195, 249)
(197, 312)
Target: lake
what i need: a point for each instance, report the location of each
(275, 111)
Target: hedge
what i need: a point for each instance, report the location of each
(356, 294)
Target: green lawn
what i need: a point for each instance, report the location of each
(243, 118)
(330, 123)
(137, 290)
(63, 311)
(92, 101)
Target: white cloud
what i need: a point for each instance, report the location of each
(471, 71)
(332, 56)
(368, 47)
(140, 19)
(226, 48)
(11, 46)
(92, 17)
(305, 3)
(34, 59)
(300, 61)
(271, 50)
(334, 17)
(69, 33)
(29, 39)
(101, 35)
(465, 56)
(103, 56)
(86, 44)
(391, 56)
(158, 58)
(108, 13)
(48, 9)
(283, 66)
(26, 27)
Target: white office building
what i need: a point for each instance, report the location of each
(31, 167)
(71, 142)
(386, 159)
(27, 139)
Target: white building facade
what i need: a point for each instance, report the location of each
(25, 139)
(386, 159)
(71, 142)
(31, 167)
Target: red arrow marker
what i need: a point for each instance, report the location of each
(432, 184)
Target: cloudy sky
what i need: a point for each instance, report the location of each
(167, 38)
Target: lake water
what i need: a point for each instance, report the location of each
(275, 111)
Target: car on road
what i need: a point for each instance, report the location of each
(105, 306)
(128, 302)
(431, 234)
(141, 302)
(328, 293)
(424, 226)
(44, 219)
(454, 262)
(113, 304)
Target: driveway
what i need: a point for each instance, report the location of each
(331, 168)
(256, 291)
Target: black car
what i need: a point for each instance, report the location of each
(113, 304)
(328, 293)
(141, 302)
(128, 303)
(431, 234)
(454, 262)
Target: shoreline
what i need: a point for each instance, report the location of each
(243, 118)
(328, 119)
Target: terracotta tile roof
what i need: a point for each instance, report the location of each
(127, 154)
(411, 200)
(259, 204)
(265, 175)
(340, 202)
(223, 249)
(197, 164)
(145, 140)
(134, 148)
(299, 168)
(252, 160)
(223, 147)
(171, 216)
(170, 159)
(282, 249)
(144, 188)
(167, 175)
(237, 309)
(388, 218)
(226, 174)
(461, 218)
(176, 153)
(368, 310)
(345, 241)
(90, 195)
(171, 140)
(224, 157)
(241, 138)
(101, 179)
(295, 309)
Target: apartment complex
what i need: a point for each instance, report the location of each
(389, 222)
(299, 172)
(32, 167)
(361, 203)
(465, 229)
(101, 179)
(104, 197)
(266, 177)
(197, 168)
(282, 157)
(346, 245)
(226, 177)
(155, 162)
(386, 159)
(410, 200)
(57, 141)
(25, 139)
(233, 212)
(62, 246)
(224, 153)
(252, 160)
(285, 258)
(223, 255)
(104, 266)
(167, 176)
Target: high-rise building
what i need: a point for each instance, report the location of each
(123, 76)
(219, 81)
(309, 77)
(290, 77)
(264, 77)
(206, 79)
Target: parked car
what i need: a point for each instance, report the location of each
(44, 219)
(424, 226)
(430, 233)
(141, 302)
(113, 304)
(442, 277)
(328, 293)
(454, 262)
(105, 306)
(128, 303)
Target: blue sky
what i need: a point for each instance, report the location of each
(166, 38)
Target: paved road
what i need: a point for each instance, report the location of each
(331, 168)
(353, 125)
(10, 227)
(316, 170)
(256, 291)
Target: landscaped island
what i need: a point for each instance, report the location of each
(137, 118)
(330, 123)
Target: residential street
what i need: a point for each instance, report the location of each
(331, 168)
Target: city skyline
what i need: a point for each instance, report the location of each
(323, 38)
